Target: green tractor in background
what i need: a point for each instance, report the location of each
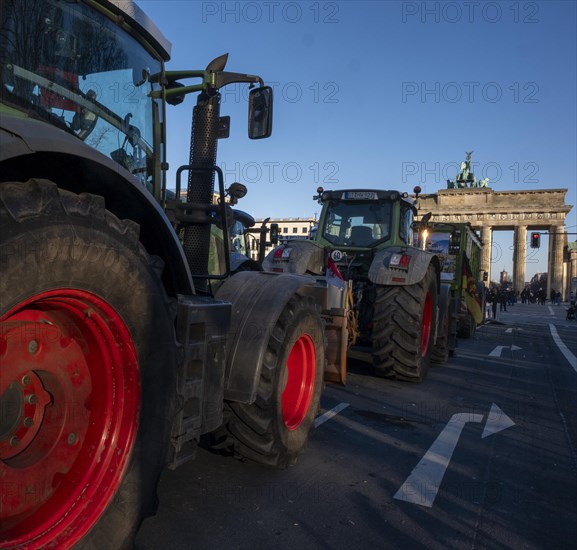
(460, 250)
(387, 293)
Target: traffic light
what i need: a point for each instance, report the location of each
(535, 240)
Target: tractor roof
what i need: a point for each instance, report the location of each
(243, 217)
(363, 195)
(142, 23)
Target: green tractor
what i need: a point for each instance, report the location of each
(116, 353)
(386, 292)
(460, 250)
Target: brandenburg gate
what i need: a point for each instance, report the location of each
(521, 211)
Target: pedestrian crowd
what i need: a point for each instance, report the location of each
(499, 299)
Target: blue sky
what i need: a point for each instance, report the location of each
(387, 94)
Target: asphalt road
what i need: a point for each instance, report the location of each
(482, 454)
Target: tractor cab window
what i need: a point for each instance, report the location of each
(239, 239)
(406, 226)
(69, 65)
(357, 223)
(439, 243)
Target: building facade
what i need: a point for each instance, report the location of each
(288, 229)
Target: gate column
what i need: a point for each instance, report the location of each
(519, 257)
(556, 242)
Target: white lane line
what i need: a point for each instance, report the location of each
(564, 349)
(551, 310)
(329, 414)
(422, 486)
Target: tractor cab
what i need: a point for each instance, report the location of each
(355, 224)
(364, 218)
(67, 64)
(96, 70)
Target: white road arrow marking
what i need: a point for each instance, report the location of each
(499, 349)
(329, 414)
(422, 486)
(496, 422)
(515, 329)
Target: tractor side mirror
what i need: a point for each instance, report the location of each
(260, 112)
(274, 233)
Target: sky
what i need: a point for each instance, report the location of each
(387, 94)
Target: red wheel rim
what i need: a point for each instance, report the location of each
(70, 394)
(426, 324)
(299, 389)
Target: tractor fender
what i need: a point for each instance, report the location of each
(258, 299)
(383, 270)
(34, 149)
(298, 257)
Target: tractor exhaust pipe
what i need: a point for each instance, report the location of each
(203, 146)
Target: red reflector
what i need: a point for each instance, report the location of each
(398, 279)
(405, 261)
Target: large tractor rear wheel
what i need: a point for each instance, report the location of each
(275, 428)
(403, 329)
(87, 372)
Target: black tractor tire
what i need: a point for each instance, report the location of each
(275, 428)
(86, 328)
(403, 328)
(440, 353)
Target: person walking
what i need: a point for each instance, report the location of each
(503, 300)
(489, 303)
